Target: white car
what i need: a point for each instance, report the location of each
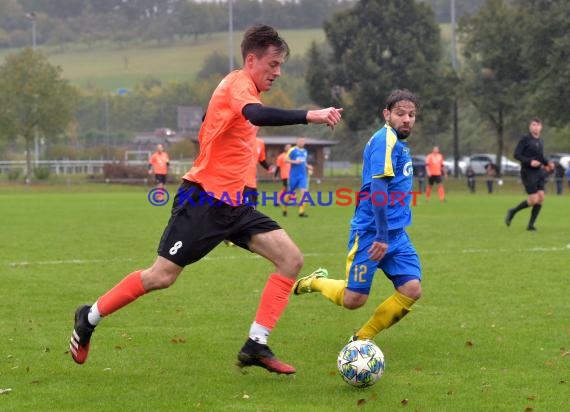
(478, 162)
(462, 164)
(565, 161)
(562, 158)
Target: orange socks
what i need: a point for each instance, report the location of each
(441, 193)
(125, 292)
(274, 299)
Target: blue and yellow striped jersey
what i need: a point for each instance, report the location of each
(298, 170)
(385, 157)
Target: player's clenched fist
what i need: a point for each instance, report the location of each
(329, 116)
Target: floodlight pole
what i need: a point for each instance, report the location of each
(107, 134)
(32, 16)
(453, 39)
(454, 64)
(231, 33)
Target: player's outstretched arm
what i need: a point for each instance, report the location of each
(260, 115)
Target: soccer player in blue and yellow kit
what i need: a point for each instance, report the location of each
(298, 175)
(378, 238)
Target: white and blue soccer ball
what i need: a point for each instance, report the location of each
(361, 363)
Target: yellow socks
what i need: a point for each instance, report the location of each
(332, 289)
(388, 313)
(286, 200)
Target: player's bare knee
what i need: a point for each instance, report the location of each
(154, 282)
(352, 305)
(412, 290)
(292, 264)
(154, 278)
(354, 301)
(299, 262)
(415, 295)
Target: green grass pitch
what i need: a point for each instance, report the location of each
(492, 331)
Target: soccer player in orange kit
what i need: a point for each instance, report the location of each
(251, 194)
(284, 169)
(208, 207)
(436, 172)
(158, 164)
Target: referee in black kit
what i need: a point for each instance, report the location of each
(534, 169)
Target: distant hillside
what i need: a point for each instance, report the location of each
(110, 66)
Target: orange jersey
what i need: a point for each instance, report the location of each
(434, 164)
(259, 156)
(227, 139)
(159, 163)
(284, 167)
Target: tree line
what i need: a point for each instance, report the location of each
(123, 21)
(513, 64)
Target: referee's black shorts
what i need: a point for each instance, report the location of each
(199, 222)
(533, 180)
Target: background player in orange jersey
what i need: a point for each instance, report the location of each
(158, 164)
(251, 194)
(283, 170)
(208, 207)
(436, 172)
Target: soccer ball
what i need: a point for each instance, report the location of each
(361, 363)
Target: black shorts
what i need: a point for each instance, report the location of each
(434, 179)
(199, 222)
(160, 179)
(533, 181)
(285, 183)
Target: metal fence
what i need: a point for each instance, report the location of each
(88, 167)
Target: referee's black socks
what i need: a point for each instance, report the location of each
(534, 214)
(522, 205)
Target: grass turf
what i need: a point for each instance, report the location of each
(491, 331)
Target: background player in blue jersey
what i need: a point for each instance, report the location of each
(298, 176)
(378, 238)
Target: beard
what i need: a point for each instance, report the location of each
(403, 134)
(400, 134)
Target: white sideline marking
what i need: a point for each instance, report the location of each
(254, 256)
(482, 251)
(66, 262)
